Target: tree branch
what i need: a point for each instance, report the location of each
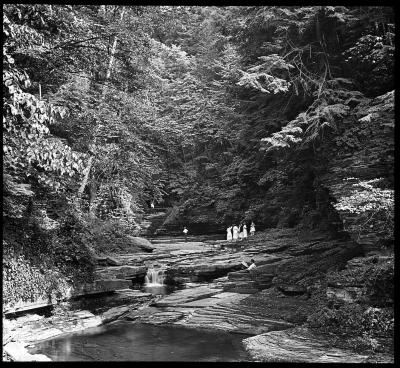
(70, 43)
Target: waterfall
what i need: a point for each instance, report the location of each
(155, 277)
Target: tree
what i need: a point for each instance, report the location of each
(32, 156)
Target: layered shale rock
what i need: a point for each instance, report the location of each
(298, 345)
(228, 314)
(364, 150)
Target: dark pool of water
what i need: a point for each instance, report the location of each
(126, 341)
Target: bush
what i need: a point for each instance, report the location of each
(379, 283)
(108, 235)
(375, 275)
(42, 264)
(353, 320)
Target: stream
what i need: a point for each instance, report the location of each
(128, 341)
(135, 341)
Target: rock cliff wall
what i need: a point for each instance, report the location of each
(363, 151)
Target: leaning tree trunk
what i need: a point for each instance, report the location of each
(87, 170)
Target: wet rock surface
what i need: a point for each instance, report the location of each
(17, 352)
(297, 345)
(32, 328)
(219, 294)
(181, 297)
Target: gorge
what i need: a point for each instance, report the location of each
(124, 124)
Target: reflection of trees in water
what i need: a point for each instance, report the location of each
(145, 343)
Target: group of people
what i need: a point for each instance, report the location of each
(239, 232)
(233, 232)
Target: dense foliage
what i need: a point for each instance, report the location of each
(223, 113)
(272, 87)
(366, 323)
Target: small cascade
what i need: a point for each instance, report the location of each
(155, 277)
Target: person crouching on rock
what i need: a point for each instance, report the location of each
(251, 268)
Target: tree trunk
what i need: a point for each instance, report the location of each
(113, 49)
(92, 198)
(91, 159)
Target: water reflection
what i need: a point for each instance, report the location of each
(125, 341)
(158, 289)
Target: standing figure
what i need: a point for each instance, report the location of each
(252, 228)
(185, 231)
(229, 233)
(244, 231)
(241, 231)
(152, 205)
(235, 230)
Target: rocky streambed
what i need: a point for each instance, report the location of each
(214, 293)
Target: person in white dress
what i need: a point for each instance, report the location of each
(185, 232)
(229, 233)
(235, 231)
(244, 231)
(252, 228)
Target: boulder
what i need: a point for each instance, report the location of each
(142, 243)
(114, 313)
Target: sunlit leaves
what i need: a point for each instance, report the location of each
(285, 138)
(264, 82)
(30, 153)
(373, 207)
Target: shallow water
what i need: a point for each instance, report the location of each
(127, 341)
(158, 289)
